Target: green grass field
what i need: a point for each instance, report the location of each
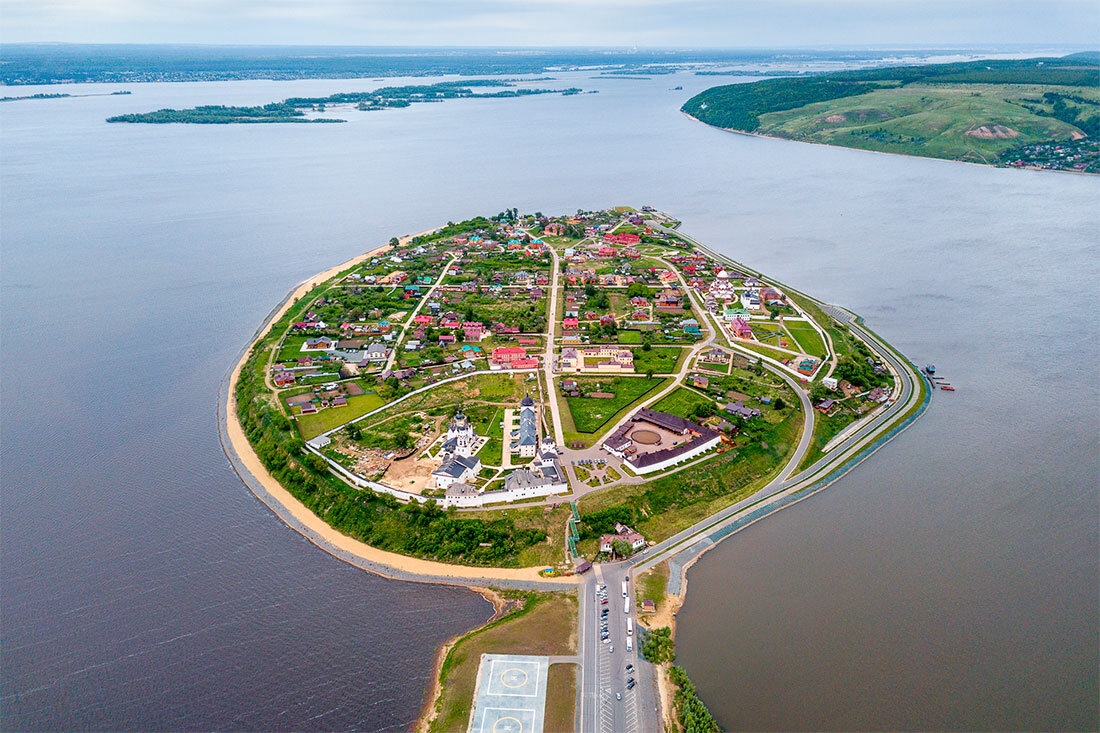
(589, 415)
(681, 402)
(313, 425)
(977, 111)
(809, 340)
(659, 360)
(630, 337)
(766, 351)
(933, 120)
(561, 695)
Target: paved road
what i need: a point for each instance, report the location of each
(603, 666)
(412, 316)
(785, 480)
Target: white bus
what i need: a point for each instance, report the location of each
(629, 644)
(624, 589)
(626, 606)
(629, 626)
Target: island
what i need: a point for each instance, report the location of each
(544, 408)
(1032, 113)
(295, 109)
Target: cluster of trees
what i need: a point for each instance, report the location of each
(221, 115)
(1076, 113)
(601, 522)
(739, 106)
(396, 439)
(858, 372)
(290, 110)
(691, 711)
(659, 646)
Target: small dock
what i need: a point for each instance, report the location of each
(935, 380)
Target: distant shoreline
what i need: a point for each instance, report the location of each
(883, 152)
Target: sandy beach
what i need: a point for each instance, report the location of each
(325, 536)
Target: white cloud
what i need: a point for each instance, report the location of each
(555, 22)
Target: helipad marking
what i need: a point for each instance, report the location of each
(514, 672)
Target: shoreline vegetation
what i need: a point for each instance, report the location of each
(1034, 113)
(43, 95)
(294, 109)
(318, 530)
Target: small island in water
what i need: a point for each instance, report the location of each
(1033, 113)
(526, 403)
(295, 108)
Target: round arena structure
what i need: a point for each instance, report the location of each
(646, 437)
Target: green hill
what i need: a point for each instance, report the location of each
(1034, 112)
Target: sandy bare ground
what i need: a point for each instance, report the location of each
(410, 474)
(331, 537)
(989, 132)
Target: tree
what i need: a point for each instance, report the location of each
(621, 548)
(779, 404)
(647, 346)
(394, 241)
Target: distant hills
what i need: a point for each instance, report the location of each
(1042, 113)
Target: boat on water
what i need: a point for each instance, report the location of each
(947, 388)
(930, 369)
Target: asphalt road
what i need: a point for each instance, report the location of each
(785, 480)
(603, 671)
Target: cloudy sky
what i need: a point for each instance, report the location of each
(715, 23)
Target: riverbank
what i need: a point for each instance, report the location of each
(766, 136)
(298, 517)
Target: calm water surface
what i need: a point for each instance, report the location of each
(949, 583)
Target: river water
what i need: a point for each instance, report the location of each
(950, 582)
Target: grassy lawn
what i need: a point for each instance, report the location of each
(589, 415)
(657, 360)
(766, 351)
(545, 625)
(630, 337)
(319, 422)
(652, 584)
(826, 428)
(290, 349)
(492, 453)
(681, 402)
(809, 340)
(561, 695)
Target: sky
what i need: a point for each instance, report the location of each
(645, 23)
